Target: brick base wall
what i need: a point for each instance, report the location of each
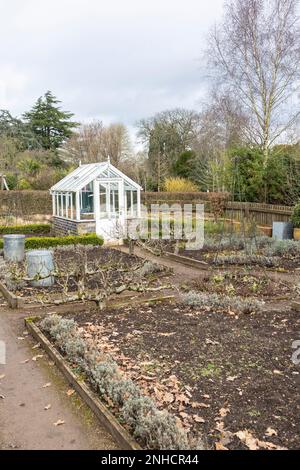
(63, 227)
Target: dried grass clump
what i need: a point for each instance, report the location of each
(155, 429)
(223, 302)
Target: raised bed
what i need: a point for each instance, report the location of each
(105, 417)
(194, 263)
(91, 274)
(13, 300)
(214, 369)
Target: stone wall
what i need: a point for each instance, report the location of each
(62, 227)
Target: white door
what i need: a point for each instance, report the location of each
(109, 209)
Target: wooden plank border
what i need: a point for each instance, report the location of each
(194, 263)
(106, 418)
(296, 305)
(13, 300)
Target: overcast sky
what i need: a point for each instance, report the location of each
(115, 60)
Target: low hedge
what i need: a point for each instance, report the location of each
(25, 229)
(51, 242)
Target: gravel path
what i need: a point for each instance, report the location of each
(24, 421)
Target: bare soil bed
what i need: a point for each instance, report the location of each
(86, 271)
(221, 259)
(246, 283)
(227, 377)
(237, 251)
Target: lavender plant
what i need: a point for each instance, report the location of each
(218, 301)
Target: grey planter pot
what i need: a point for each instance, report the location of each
(282, 230)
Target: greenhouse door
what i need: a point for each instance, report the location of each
(109, 208)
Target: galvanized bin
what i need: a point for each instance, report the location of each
(40, 268)
(14, 247)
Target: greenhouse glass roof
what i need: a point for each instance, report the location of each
(85, 174)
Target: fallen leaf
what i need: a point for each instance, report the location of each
(224, 412)
(271, 432)
(36, 346)
(203, 405)
(168, 397)
(220, 446)
(231, 378)
(47, 407)
(70, 392)
(166, 334)
(182, 398)
(198, 419)
(209, 341)
(39, 356)
(270, 446)
(184, 415)
(247, 438)
(60, 422)
(47, 385)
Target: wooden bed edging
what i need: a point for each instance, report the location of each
(194, 263)
(106, 418)
(296, 305)
(13, 300)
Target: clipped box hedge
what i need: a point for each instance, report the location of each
(25, 229)
(51, 242)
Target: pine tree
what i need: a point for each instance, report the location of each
(51, 125)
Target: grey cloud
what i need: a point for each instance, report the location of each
(116, 60)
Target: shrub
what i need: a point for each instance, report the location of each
(48, 242)
(218, 301)
(246, 259)
(227, 243)
(24, 229)
(51, 242)
(148, 268)
(283, 248)
(296, 216)
(154, 429)
(174, 185)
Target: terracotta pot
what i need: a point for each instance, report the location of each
(297, 233)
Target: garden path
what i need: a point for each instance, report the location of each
(24, 421)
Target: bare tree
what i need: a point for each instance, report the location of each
(85, 145)
(116, 143)
(95, 143)
(256, 53)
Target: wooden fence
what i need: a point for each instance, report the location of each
(262, 214)
(35, 205)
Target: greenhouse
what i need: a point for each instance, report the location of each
(95, 198)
